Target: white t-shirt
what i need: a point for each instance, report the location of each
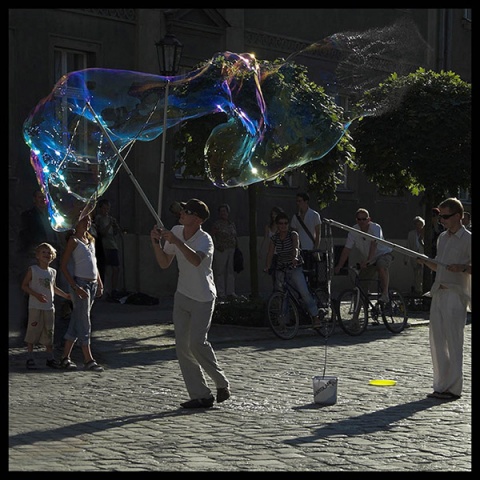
(42, 282)
(311, 220)
(363, 243)
(194, 282)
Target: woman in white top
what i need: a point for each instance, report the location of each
(85, 284)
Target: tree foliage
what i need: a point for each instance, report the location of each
(281, 84)
(419, 137)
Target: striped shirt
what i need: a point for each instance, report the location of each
(284, 249)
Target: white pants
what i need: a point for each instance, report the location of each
(224, 273)
(448, 316)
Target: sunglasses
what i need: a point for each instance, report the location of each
(189, 212)
(362, 219)
(446, 217)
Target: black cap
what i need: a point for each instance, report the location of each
(198, 207)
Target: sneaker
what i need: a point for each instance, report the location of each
(67, 364)
(53, 363)
(93, 366)
(31, 365)
(223, 394)
(384, 298)
(199, 403)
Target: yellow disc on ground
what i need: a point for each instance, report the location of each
(383, 383)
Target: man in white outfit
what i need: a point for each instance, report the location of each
(194, 301)
(451, 299)
(376, 256)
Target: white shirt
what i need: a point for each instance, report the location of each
(42, 282)
(455, 248)
(363, 243)
(311, 220)
(194, 282)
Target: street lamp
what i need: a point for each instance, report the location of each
(169, 51)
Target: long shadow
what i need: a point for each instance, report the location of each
(377, 421)
(94, 426)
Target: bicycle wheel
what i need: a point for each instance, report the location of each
(282, 315)
(394, 313)
(326, 313)
(352, 312)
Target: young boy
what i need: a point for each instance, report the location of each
(39, 283)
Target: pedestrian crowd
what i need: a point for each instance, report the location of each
(206, 275)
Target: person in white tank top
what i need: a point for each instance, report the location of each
(86, 284)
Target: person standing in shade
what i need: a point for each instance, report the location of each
(467, 221)
(224, 234)
(437, 229)
(415, 242)
(40, 285)
(307, 222)
(108, 230)
(194, 302)
(270, 230)
(35, 227)
(377, 257)
(451, 300)
(85, 284)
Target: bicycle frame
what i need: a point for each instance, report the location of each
(356, 305)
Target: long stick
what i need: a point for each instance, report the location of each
(162, 158)
(125, 166)
(394, 246)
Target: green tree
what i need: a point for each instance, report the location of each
(281, 84)
(417, 138)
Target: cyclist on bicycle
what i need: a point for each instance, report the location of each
(376, 256)
(285, 243)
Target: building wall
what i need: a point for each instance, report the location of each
(125, 38)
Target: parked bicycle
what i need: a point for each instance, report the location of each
(357, 305)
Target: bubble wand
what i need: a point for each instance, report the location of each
(125, 166)
(394, 246)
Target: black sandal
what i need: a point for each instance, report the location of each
(93, 366)
(67, 364)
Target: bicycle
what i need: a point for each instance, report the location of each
(357, 304)
(285, 307)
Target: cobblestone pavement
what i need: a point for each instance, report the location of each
(128, 417)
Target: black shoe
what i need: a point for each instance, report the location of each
(53, 363)
(223, 394)
(199, 403)
(443, 395)
(31, 365)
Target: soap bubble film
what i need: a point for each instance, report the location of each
(271, 125)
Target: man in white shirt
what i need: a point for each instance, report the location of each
(311, 220)
(307, 222)
(451, 299)
(194, 301)
(375, 255)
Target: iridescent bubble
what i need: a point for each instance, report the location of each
(75, 133)
(271, 126)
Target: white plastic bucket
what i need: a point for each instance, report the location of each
(325, 390)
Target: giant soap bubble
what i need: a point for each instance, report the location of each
(93, 116)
